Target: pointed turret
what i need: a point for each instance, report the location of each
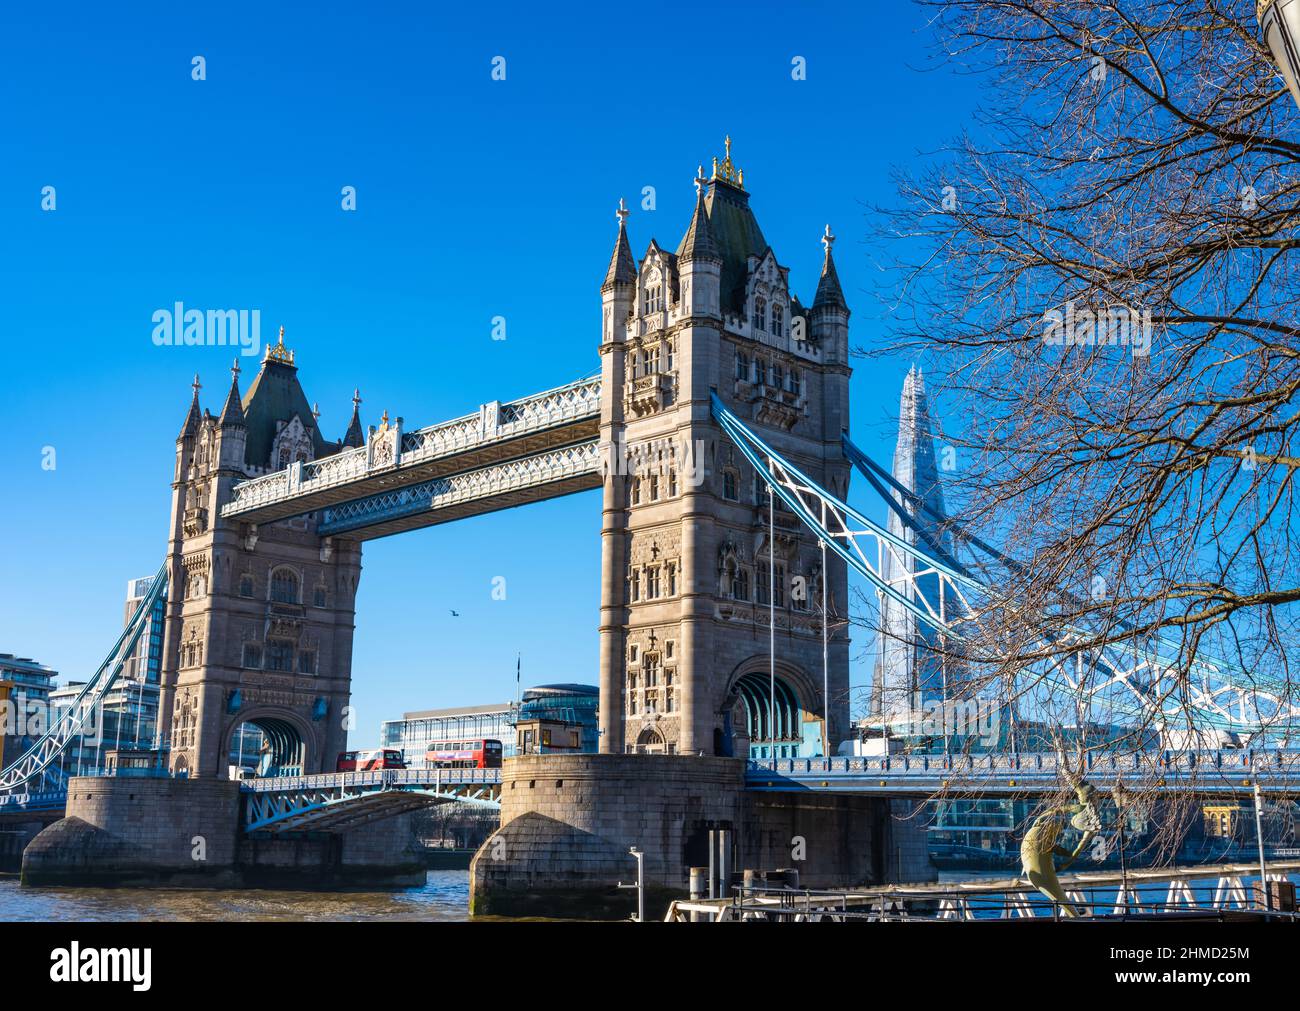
(233, 412)
(355, 437)
(698, 242)
(829, 292)
(622, 265)
(191, 426)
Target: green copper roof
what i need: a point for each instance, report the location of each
(736, 234)
(274, 396)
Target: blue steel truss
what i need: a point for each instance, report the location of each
(36, 765)
(1139, 684)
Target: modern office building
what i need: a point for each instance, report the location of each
(562, 714)
(414, 732)
(26, 685)
(560, 719)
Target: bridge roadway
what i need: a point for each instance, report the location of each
(333, 801)
(1225, 772)
(538, 447)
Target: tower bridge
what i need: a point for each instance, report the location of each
(726, 542)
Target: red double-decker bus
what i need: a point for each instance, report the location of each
(476, 754)
(366, 761)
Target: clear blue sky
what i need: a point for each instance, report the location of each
(475, 198)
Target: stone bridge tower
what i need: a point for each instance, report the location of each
(259, 620)
(686, 541)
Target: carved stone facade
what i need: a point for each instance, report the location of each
(687, 547)
(259, 620)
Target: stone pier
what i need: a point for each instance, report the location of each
(569, 821)
(187, 833)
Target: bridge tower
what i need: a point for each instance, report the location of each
(259, 621)
(687, 543)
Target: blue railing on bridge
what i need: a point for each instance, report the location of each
(393, 779)
(1225, 763)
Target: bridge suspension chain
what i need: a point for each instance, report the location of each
(1138, 681)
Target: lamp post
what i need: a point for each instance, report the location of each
(1279, 23)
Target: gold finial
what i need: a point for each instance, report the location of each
(727, 172)
(279, 353)
(383, 422)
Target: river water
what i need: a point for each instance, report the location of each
(444, 896)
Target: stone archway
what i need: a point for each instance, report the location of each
(283, 747)
(758, 727)
(651, 742)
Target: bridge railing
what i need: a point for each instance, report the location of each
(378, 778)
(504, 421)
(1238, 762)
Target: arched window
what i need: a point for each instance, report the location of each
(729, 490)
(778, 320)
(760, 313)
(740, 584)
(284, 586)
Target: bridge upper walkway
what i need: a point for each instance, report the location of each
(537, 447)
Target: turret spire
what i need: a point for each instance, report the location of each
(829, 292)
(233, 412)
(191, 425)
(697, 243)
(622, 265)
(355, 437)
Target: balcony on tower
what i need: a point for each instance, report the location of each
(648, 394)
(775, 404)
(195, 521)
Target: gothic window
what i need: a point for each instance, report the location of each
(760, 488)
(778, 377)
(306, 661)
(760, 370)
(282, 460)
(246, 585)
(742, 366)
(669, 648)
(765, 578)
(636, 364)
(631, 704)
(636, 585)
(652, 583)
(632, 653)
(672, 482)
(729, 491)
(669, 349)
(780, 586)
(652, 702)
(636, 491)
(279, 655)
(669, 701)
(654, 487)
(284, 586)
(796, 381)
(672, 590)
(651, 670)
(319, 598)
(252, 655)
(778, 320)
(654, 298)
(740, 584)
(760, 313)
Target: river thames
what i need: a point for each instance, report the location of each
(444, 896)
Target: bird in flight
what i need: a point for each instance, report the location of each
(455, 614)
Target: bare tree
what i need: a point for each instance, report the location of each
(1100, 278)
